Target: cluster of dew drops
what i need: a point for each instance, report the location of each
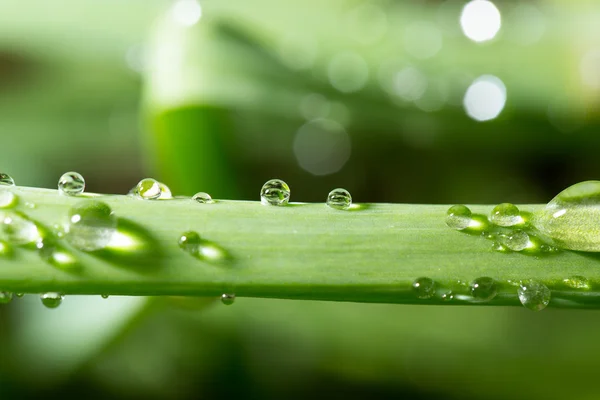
(91, 224)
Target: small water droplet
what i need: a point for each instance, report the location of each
(484, 288)
(5, 297)
(202, 197)
(5, 249)
(189, 241)
(424, 287)
(497, 246)
(546, 248)
(534, 295)
(204, 249)
(30, 205)
(447, 296)
(515, 241)
(104, 296)
(91, 225)
(505, 214)
(458, 217)
(6, 179)
(571, 218)
(147, 189)
(51, 299)
(577, 282)
(19, 295)
(19, 229)
(275, 192)
(8, 199)
(340, 199)
(71, 184)
(227, 299)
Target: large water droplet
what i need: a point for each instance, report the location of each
(339, 199)
(202, 197)
(91, 225)
(534, 295)
(577, 282)
(484, 288)
(52, 299)
(148, 189)
(275, 192)
(19, 229)
(71, 184)
(227, 299)
(8, 199)
(424, 287)
(458, 217)
(5, 297)
(572, 218)
(6, 179)
(505, 214)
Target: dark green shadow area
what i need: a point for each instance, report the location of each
(132, 247)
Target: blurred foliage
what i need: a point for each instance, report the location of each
(223, 101)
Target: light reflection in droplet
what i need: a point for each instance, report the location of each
(410, 83)
(186, 12)
(422, 39)
(322, 147)
(589, 68)
(348, 72)
(485, 98)
(480, 20)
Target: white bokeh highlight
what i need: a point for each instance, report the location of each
(480, 20)
(485, 98)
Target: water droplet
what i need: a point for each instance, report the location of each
(104, 296)
(52, 299)
(6, 179)
(202, 197)
(8, 199)
(496, 246)
(484, 288)
(5, 297)
(30, 205)
(505, 214)
(577, 282)
(447, 296)
(340, 199)
(5, 249)
(19, 229)
(458, 217)
(147, 189)
(165, 192)
(572, 218)
(19, 295)
(227, 299)
(515, 241)
(189, 241)
(71, 184)
(275, 192)
(534, 295)
(91, 225)
(424, 287)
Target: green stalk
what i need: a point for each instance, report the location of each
(370, 253)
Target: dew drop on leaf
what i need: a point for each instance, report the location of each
(572, 218)
(19, 229)
(515, 241)
(90, 226)
(424, 287)
(147, 189)
(227, 299)
(6, 179)
(71, 184)
(275, 192)
(484, 288)
(340, 199)
(505, 214)
(458, 217)
(534, 295)
(202, 197)
(51, 299)
(577, 282)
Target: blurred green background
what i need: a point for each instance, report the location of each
(396, 101)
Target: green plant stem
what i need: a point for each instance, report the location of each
(371, 253)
